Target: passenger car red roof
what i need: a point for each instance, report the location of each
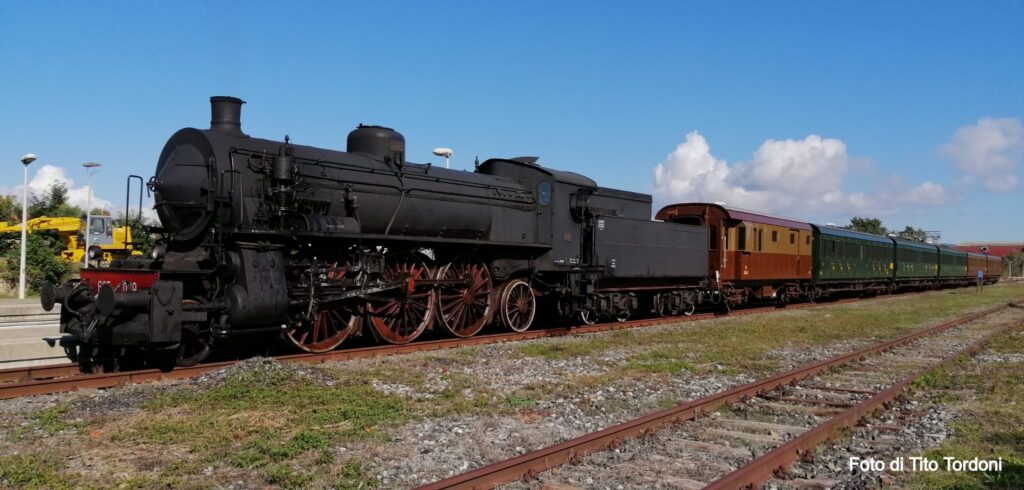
(995, 249)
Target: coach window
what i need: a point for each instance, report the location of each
(713, 232)
(775, 236)
(808, 239)
(792, 238)
(760, 240)
(741, 238)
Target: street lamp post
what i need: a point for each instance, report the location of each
(444, 152)
(91, 168)
(25, 160)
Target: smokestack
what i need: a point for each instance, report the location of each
(226, 115)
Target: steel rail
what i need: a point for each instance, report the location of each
(776, 461)
(15, 375)
(535, 462)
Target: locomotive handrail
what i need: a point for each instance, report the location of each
(231, 190)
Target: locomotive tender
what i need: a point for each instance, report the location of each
(316, 245)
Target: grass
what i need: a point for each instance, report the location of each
(576, 347)
(740, 344)
(992, 424)
(660, 361)
(50, 421)
(516, 402)
(55, 419)
(37, 470)
(278, 425)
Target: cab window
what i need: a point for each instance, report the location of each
(96, 226)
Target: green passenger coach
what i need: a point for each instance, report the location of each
(916, 261)
(841, 255)
(952, 263)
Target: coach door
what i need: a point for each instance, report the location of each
(741, 254)
(793, 247)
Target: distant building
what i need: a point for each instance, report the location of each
(994, 248)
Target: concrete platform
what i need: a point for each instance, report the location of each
(16, 310)
(23, 325)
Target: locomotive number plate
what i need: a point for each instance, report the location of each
(120, 280)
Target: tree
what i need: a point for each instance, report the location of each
(54, 204)
(1014, 260)
(911, 233)
(866, 225)
(143, 239)
(10, 210)
(41, 262)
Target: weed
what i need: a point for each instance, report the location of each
(55, 419)
(660, 361)
(514, 401)
(565, 349)
(353, 475)
(36, 470)
(284, 475)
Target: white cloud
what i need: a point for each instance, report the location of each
(49, 175)
(804, 168)
(926, 193)
(989, 152)
(797, 177)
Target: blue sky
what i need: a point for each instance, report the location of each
(754, 103)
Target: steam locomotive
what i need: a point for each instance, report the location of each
(315, 246)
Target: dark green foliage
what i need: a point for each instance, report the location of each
(12, 240)
(54, 204)
(866, 225)
(10, 209)
(915, 234)
(41, 260)
(142, 239)
(875, 227)
(1016, 261)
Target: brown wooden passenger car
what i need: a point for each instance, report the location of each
(976, 262)
(752, 255)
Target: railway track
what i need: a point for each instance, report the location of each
(41, 380)
(66, 377)
(743, 436)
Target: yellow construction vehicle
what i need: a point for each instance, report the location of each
(105, 242)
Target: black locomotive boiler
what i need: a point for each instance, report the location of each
(317, 245)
